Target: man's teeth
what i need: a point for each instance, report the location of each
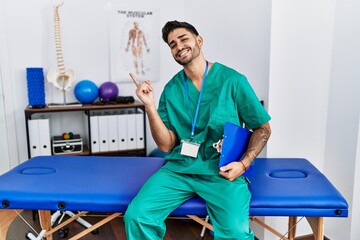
(182, 53)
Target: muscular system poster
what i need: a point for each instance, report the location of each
(134, 44)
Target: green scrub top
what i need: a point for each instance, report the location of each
(227, 97)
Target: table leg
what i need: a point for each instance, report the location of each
(267, 227)
(292, 228)
(45, 222)
(6, 218)
(95, 226)
(317, 226)
(201, 221)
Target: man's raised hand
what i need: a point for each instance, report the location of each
(144, 90)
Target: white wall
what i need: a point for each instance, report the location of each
(313, 93)
(4, 160)
(300, 57)
(355, 206)
(237, 34)
(8, 140)
(301, 46)
(343, 116)
(29, 34)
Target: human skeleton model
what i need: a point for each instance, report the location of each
(137, 39)
(61, 78)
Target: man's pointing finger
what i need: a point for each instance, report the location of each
(137, 83)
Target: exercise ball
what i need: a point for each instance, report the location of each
(86, 91)
(108, 91)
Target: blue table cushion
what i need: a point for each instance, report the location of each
(279, 186)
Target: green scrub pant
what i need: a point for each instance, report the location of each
(227, 204)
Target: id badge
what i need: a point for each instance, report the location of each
(190, 149)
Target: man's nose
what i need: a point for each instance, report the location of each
(179, 47)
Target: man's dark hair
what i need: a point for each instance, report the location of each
(172, 25)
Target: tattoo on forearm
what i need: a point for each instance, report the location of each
(257, 142)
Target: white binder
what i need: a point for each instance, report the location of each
(34, 138)
(131, 129)
(94, 136)
(112, 132)
(122, 131)
(39, 137)
(44, 137)
(103, 133)
(139, 129)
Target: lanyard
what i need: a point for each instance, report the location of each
(193, 120)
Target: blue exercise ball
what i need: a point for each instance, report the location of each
(86, 91)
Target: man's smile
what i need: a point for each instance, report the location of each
(183, 53)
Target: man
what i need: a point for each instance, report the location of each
(193, 108)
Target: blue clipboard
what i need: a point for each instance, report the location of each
(235, 143)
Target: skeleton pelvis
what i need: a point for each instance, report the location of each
(61, 81)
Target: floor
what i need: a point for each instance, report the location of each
(177, 229)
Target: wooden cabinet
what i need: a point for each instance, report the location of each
(110, 129)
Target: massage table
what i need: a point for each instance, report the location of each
(290, 187)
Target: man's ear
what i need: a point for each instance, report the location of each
(199, 40)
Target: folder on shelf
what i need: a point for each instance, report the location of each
(103, 133)
(39, 137)
(140, 130)
(112, 132)
(131, 129)
(45, 139)
(122, 131)
(94, 134)
(34, 138)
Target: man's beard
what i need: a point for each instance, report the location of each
(195, 53)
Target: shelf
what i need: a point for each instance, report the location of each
(85, 152)
(134, 113)
(85, 107)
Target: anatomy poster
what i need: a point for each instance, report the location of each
(134, 44)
